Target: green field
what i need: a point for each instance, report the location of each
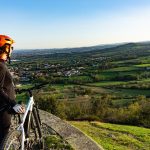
(131, 68)
(132, 92)
(117, 87)
(116, 137)
(108, 83)
(143, 65)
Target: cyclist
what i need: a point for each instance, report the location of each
(7, 91)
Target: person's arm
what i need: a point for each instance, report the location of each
(3, 96)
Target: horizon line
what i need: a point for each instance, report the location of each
(116, 43)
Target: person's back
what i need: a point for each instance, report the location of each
(7, 91)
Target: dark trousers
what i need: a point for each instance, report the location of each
(5, 122)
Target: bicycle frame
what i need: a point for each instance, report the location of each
(21, 126)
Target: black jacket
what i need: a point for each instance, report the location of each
(7, 91)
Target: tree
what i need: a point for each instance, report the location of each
(99, 105)
(48, 103)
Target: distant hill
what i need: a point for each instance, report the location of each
(65, 50)
(112, 50)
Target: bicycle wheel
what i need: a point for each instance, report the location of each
(33, 132)
(12, 141)
(39, 135)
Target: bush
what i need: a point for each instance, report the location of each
(48, 103)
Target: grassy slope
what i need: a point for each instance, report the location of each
(116, 137)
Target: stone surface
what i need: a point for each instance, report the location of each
(72, 135)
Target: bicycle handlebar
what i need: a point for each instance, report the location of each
(19, 91)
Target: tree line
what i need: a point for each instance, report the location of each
(100, 109)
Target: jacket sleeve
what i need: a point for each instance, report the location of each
(4, 99)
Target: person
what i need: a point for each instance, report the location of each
(7, 90)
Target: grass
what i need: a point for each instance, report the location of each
(117, 87)
(116, 137)
(25, 86)
(131, 92)
(56, 143)
(59, 86)
(22, 97)
(122, 102)
(143, 65)
(107, 83)
(123, 69)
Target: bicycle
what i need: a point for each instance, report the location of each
(28, 134)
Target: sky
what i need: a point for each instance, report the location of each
(36, 24)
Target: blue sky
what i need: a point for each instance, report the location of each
(74, 23)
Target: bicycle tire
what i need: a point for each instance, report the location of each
(12, 141)
(33, 132)
(38, 126)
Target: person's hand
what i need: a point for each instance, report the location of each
(19, 109)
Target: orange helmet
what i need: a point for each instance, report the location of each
(5, 40)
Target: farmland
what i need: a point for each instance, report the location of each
(110, 84)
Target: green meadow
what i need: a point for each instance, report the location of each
(116, 137)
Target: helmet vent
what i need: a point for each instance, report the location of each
(7, 39)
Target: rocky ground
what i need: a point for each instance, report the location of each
(59, 135)
(52, 140)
